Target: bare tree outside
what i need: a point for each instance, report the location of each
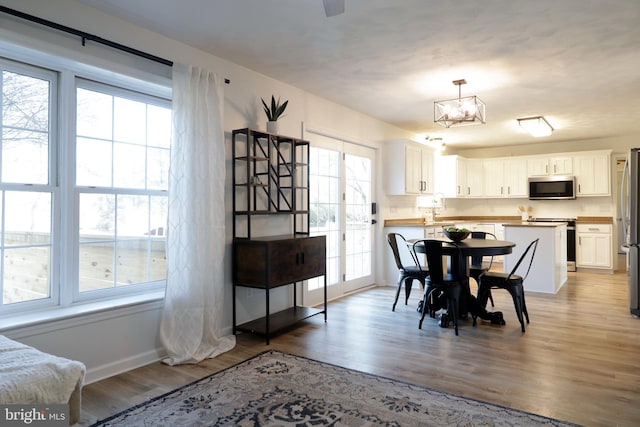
(26, 221)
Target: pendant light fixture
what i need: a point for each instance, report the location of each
(468, 110)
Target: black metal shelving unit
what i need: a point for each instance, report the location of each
(271, 177)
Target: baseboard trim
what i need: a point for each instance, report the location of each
(594, 270)
(123, 365)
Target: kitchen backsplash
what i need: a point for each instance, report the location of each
(405, 207)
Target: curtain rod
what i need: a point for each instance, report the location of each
(86, 36)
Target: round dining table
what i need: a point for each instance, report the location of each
(466, 248)
(470, 247)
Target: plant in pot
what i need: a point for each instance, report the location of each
(274, 112)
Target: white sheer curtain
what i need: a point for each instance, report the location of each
(192, 318)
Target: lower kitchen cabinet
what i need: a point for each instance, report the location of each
(266, 263)
(593, 249)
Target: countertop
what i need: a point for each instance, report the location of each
(533, 224)
(594, 220)
(447, 220)
(505, 220)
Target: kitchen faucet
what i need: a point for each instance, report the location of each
(434, 203)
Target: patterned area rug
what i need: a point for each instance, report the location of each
(279, 389)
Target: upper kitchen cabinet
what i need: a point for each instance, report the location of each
(593, 173)
(457, 176)
(408, 167)
(505, 177)
(475, 178)
(451, 175)
(543, 166)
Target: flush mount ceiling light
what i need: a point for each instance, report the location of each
(537, 126)
(468, 110)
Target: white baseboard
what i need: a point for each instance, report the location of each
(119, 366)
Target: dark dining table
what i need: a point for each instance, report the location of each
(466, 248)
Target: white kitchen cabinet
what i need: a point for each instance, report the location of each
(493, 178)
(562, 165)
(505, 177)
(457, 176)
(497, 229)
(433, 232)
(537, 166)
(450, 175)
(408, 168)
(593, 174)
(508, 176)
(475, 178)
(544, 166)
(487, 227)
(515, 173)
(593, 249)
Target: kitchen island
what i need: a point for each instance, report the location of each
(549, 269)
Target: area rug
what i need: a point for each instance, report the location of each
(279, 389)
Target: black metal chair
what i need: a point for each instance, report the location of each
(406, 273)
(478, 265)
(511, 282)
(439, 281)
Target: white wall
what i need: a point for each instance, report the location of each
(118, 340)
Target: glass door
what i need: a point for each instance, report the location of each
(341, 194)
(358, 227)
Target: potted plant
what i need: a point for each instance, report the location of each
(273, 112)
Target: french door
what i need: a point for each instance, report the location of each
(341, 193)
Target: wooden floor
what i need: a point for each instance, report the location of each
(579, 360)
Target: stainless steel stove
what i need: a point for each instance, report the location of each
(571, 238)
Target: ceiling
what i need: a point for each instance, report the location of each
(577, 62)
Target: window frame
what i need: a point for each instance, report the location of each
(50, 187)
(63, 75)
(78, 190)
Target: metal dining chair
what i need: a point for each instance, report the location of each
(478, 265)
(439, 281)
(511, 282)
(409, 268)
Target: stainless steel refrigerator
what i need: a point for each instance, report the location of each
(630, 209)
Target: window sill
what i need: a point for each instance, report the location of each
(46, 320)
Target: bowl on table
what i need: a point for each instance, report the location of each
(456, 234)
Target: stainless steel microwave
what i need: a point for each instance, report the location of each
(557, 187)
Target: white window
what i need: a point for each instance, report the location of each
(27, 186)
(82, 216)
(122, 167)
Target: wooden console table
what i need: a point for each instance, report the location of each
(270, 262)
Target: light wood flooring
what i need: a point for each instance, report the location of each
(579, 360)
